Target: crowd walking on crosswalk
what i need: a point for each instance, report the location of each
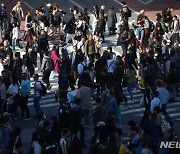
(64, 66)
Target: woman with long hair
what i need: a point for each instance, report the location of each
(13, 93)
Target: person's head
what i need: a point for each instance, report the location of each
(112, 8)
(24, 76)
(131, 123)
(164, 42)
(123, 3)
(6, 117)
(17, 55)
(46, 125)
(140, 24)
(35, 136)
(42, 32)
(98, 100)
(83, 38)
(46, 54)
(42, 116)
(29, 50)
(36, 77)
(134, 130)
(125, 31)
(65, 132)
(19, 3)
(34, 38)
(175, 18)
(90, 37)
(157, 110)
(159, 83)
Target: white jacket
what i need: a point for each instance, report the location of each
(15, 33)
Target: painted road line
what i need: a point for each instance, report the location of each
(145, 1)
(132, 111)
(32, 8)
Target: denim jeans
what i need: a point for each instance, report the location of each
(15, 42)
(37, 105)
(130, 89)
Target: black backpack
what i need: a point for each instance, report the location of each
(50, 64)
(43, 91)
(151, 26)
(128, 12)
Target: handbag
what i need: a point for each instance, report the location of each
(165, 124)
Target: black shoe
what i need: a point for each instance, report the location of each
(27, 118)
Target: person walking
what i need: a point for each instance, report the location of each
(46, 67)
(164, 98)
(111, 20)
(25, 92)
(84, 93)
(131, 79)
(37, 96)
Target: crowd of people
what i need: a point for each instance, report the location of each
(87, 72)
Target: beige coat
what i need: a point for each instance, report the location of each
(84, 93)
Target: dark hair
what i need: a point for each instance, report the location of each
(131, 123)
(135, 129)
(36, 75)
(157, 109)
(46, 123)
(123, 2)
(35, 136)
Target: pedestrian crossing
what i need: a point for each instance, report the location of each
(136, 109)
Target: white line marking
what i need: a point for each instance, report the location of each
(73, 2)
(145, 2)
(28, 5)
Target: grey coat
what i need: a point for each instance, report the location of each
(111, 19)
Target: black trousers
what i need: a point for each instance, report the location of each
(80, 128)
(24, 107)
(45, 77)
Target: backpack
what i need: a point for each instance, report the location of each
(50, 64)
(151, 26)
(43, 91)
(129, 12)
